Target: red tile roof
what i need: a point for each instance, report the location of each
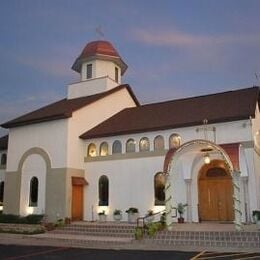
(221, 107)
(63, 108)
(4, 142)
(102, 50)
(99, 47)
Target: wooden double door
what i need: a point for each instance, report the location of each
(215, 194)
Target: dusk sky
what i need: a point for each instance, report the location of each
(173, 49)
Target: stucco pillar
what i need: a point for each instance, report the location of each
(189, 202)
(245, 198)
(168, 202)
(237, 202)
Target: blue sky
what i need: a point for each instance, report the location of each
(173, 48)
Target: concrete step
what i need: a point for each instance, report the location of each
(206, 238)
(98, 229)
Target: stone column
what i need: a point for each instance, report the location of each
(237, 202)
(189, 202)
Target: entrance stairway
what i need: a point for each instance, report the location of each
(121, 235)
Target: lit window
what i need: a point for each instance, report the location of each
(92, 151)
(159, 185)
(2, 185)
(103, 187)
(103, 149)
(116, 74)
(158, 143)
(144, 144)
(130, 146)
(117, 147)
(89, 71)
(3, 159)
(174, 141)
(34, 185)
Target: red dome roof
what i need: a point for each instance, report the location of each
(101, 50)
(99, 47)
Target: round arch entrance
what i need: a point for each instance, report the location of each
(215, 191)
(196, 147)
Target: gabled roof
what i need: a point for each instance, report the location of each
(63, 108)
(220, 107)
(4, 142)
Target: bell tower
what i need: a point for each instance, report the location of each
(100, 68)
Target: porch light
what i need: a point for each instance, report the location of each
(206, 158)
(29, 210)
(1, 208)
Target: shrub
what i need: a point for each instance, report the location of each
(132, 210)
(16, 219)
(117, 212)
(139, 233)
(34, 219)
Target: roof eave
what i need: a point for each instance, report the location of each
(35, 121)
(87, 136)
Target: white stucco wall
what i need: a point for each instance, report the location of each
(101, 68)
(90, 87)
(50, 136)
(88, 117)
(34, 166)
(128, 170)
(130, 184)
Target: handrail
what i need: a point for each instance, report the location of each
(147, 216)
(154, 214)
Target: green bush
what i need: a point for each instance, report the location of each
(16, 219)
(153, 228)
(139, 233)
(34, 219)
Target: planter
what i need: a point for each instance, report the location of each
(180, 220)
(132, 217)
(102, 218)
(117, 217)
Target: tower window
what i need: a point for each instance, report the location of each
(89, 71)
(116, 74)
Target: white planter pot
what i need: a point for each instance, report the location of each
(132, 217)
(102, 218)
(118, 217)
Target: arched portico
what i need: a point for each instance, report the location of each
(198, 148)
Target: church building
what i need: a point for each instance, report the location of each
(99, 149)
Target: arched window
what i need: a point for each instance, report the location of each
(103, 187)
(174, 141)
(130, 146)
(103, 149)
(144, 145)
(158, 143)
(34, 185)
(117, 147)
(3, 159)
(2, 186)
(92, 151)
(159, 185)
